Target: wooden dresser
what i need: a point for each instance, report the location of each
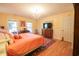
(47, 33)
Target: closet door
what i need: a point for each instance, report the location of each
(68, 26)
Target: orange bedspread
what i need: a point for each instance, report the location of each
(27, 43)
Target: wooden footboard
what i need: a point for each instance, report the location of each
(32, 50)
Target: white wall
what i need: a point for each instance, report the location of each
(63, 25)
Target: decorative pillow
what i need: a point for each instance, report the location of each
(6, 37)
(10, 40)
(17, 36)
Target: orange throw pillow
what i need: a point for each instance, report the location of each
(17, 36)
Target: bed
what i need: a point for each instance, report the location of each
(28, 42)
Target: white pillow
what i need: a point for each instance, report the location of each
(6, 37)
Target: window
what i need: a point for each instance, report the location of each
(29, 26)
(12, 26)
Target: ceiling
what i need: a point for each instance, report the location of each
(23, 9)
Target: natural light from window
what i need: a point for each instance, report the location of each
(12, 26)
(29, 26)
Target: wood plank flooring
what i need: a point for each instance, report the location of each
(59, 48)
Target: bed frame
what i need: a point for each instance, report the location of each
(32, 50)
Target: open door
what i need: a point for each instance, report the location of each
(76, 30)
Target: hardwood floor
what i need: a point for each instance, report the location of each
(59, 48)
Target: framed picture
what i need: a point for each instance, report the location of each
(22, 23)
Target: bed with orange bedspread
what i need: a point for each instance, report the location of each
(26, 44)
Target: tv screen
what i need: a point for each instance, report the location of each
(47, 25)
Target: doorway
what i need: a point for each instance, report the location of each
(76, 30)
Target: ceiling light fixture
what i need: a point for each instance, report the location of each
(37, 11)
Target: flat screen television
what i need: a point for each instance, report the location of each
(47, 25)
